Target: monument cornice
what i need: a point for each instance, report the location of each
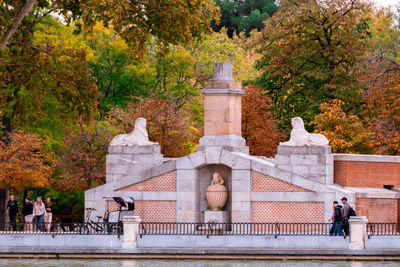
(222, 92)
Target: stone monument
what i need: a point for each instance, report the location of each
(223, 111)
(138, 137)
(306, 154)
(132, 152)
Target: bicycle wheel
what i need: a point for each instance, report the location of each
(84, 230)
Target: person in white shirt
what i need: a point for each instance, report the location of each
(39, 211)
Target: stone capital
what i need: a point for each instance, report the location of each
(131, 219)
(224, 91)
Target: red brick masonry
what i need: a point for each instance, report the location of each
(265, 183)
(269, 211)
(163, 182)
(379, 210)
(366, 174)
(151, 211)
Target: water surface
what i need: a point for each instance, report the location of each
(187, 263)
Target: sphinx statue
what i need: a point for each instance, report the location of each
(138, 137)
(300, 137)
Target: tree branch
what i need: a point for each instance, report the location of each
(17, 21)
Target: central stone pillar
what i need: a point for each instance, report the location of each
(223, 111)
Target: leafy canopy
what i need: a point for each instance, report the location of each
(310, 51)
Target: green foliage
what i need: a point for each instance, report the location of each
(71, 202)
(244, 16)
(310, 54)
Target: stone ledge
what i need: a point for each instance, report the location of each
(222, 85)
(233, 92)
(148, 149)
(302, 150)
(366, 158)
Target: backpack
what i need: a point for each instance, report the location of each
(338, 214)
(352, 212)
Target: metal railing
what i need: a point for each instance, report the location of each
(57, 228)
(252, 229)
(383, 229)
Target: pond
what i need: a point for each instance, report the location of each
(187, 263)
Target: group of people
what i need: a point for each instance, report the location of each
(340, 218)
(37, 212)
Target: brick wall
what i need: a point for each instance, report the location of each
(156, 211)
(151, 211)
(268, 211)
(265, 183)
(163, 182)
(366, 173)
(378, 209)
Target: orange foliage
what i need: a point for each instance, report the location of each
(168, 126)
(346, 132)
(259, 128)
(382, 103)
(83, 159)
(24, 161)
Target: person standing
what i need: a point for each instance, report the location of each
(49, 215)
(39, 211)
(12, 207)
(332, 218)
(338, 217)
(346, 215)
(27, 211)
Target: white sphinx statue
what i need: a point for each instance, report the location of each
(300, 137)
(138, 137)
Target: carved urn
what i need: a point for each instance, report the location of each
(217, 193)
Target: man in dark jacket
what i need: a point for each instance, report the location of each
(12, 207)
(346, 215)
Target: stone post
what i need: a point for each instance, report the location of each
(312, 162)
(223, 111)
(131, 231)
(358, 232)
(124, 160)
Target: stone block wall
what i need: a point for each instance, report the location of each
(312, 162)
(379, 209)
(121, 161)
(366, 171)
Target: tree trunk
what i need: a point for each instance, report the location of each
(17, 21)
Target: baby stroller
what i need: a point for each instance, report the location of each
(126, 208)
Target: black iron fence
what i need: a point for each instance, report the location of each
(192, 228)
(252, 229)
(383, 229)
(56, 228)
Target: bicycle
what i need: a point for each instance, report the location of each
(97, 227)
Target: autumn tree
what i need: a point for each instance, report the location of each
(178, 21)
(259, 127)
(346, 132)
(310, 50)
(46, 82)
(381, 78)
(25, 161)
(170, 127)
(82, 161)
